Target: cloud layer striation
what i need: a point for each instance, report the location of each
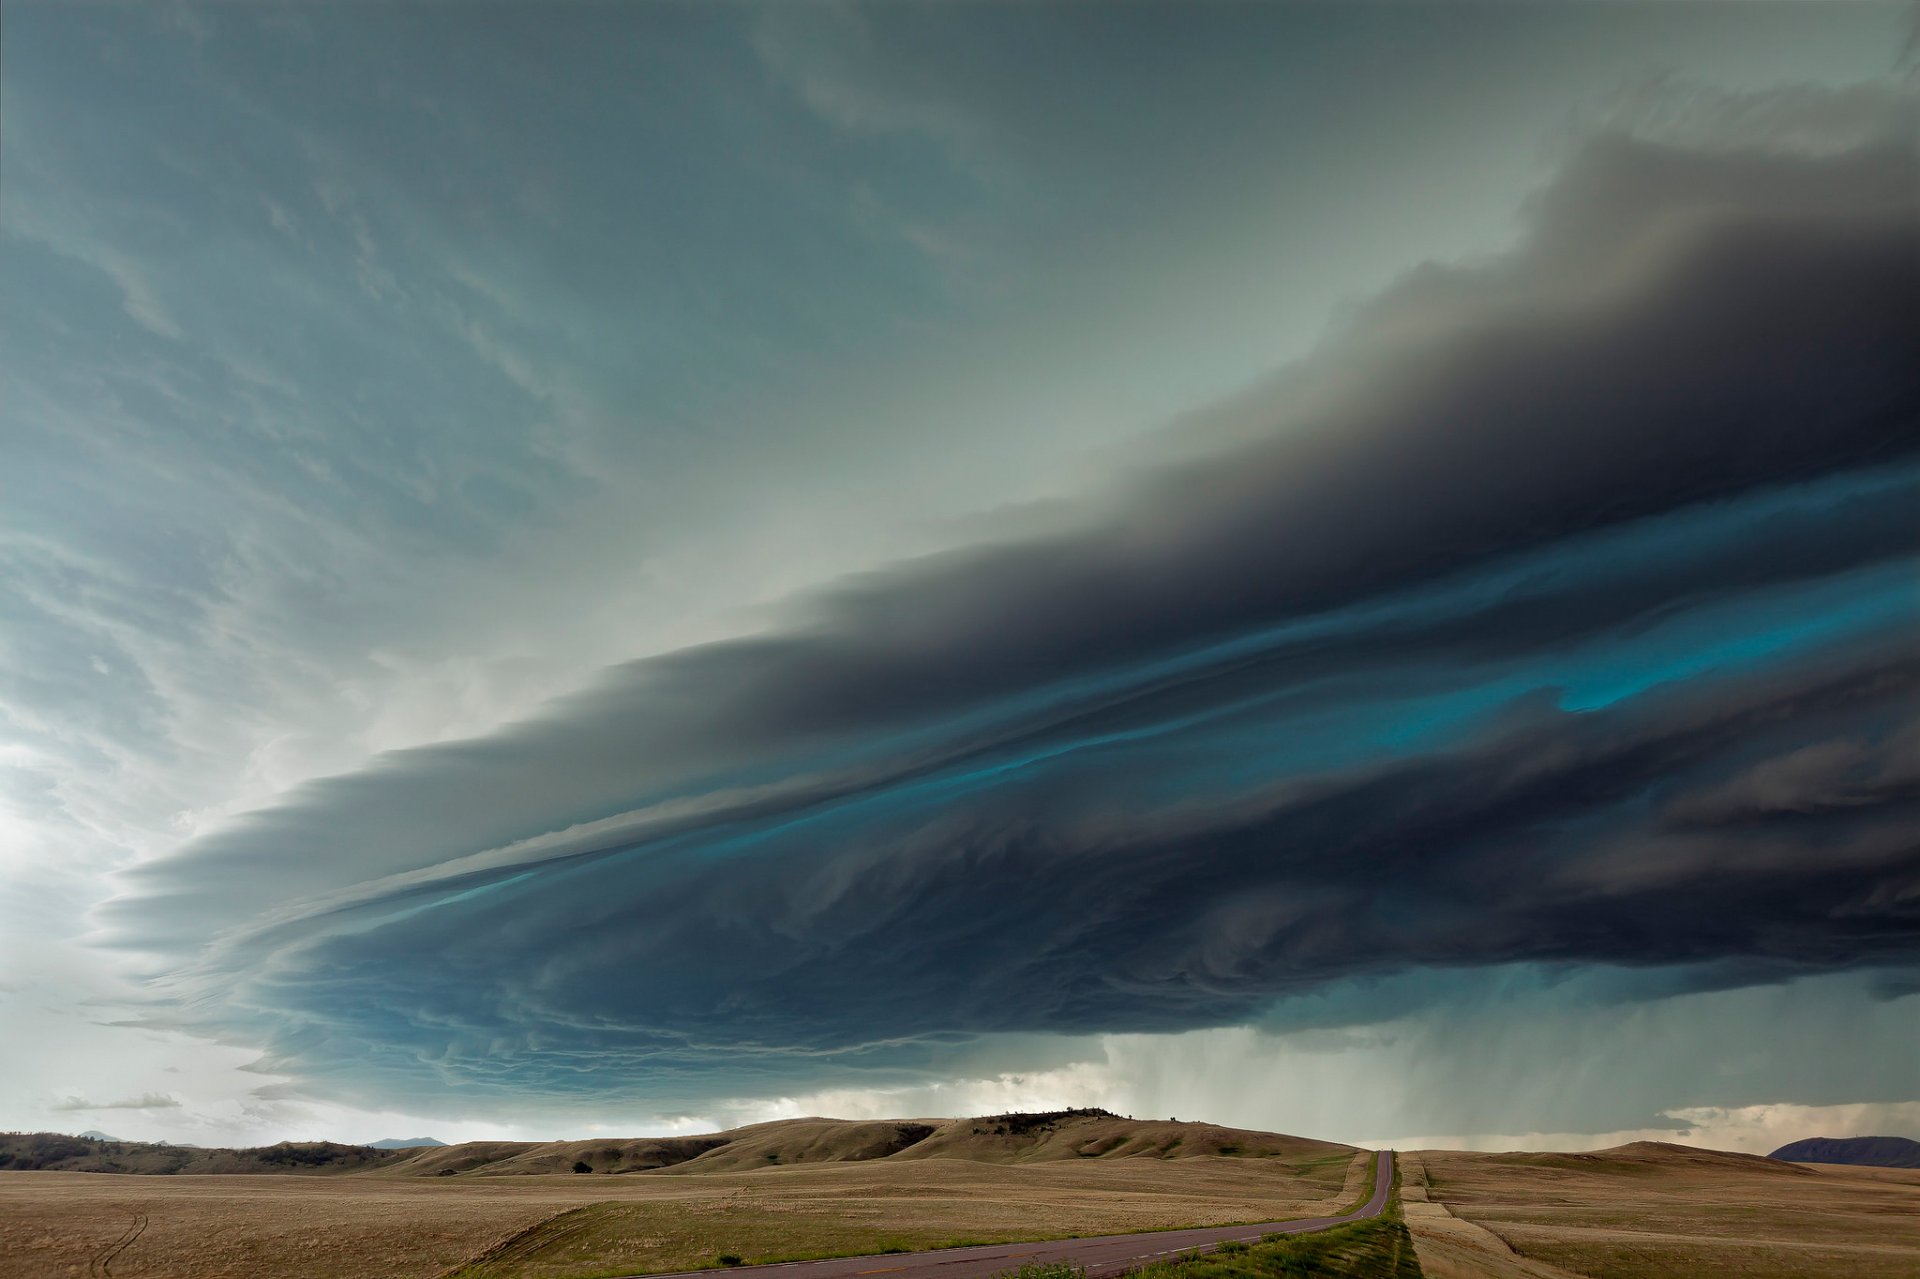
(1558, 611)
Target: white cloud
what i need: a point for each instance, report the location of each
(1750, 1130)
(145, 1101)
(139, 296)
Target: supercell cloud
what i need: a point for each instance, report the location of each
(1559, 611)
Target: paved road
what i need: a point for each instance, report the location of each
(1102, 1255)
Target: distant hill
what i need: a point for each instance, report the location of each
(1638, 1157)
(1095, 1134)
(1877, 1152)
(1009, 1138)
(94, 1134)
(1673, 1152)
(57, 1152)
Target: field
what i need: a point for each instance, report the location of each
(805, 1188)
(550, 1226)
(1653, 1210)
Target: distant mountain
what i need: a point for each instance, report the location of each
(1877, 1152)
(30, 1151)
(94, 1134)
(403, 1143)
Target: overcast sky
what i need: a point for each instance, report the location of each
(571, 569)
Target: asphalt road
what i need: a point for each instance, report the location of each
(1102, 1255)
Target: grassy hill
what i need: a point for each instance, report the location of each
(1095, 1134)
(604, 1154)
(1009, 1138)
(999, 1139)
(1645, 1158)
(1652, 1210)
(811, 1141)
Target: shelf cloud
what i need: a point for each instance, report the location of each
(1557, 610)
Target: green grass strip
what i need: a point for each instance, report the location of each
(1378, 1248)
(1366, 1189)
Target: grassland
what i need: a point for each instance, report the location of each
(1649, 1210)
(1379, 1248)
(1376, 1249)
(820, 1187)
(1030, 1184)
(790, 1214)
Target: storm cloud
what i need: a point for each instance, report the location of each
(1558, 610)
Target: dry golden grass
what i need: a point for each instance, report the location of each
(369, 1224)
(1624, 1214)
(990, 1139)
(1652, 1210)
(1450, 1247)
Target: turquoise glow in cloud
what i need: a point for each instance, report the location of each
(1736, 639)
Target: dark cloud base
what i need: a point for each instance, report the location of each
(1562, 612)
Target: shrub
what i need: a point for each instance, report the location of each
(728, 1258)
(582, 1165)
(1020, 1123)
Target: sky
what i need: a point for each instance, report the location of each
(572, 569)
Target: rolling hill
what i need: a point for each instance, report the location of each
(999, 1139)
(1010, 1138)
